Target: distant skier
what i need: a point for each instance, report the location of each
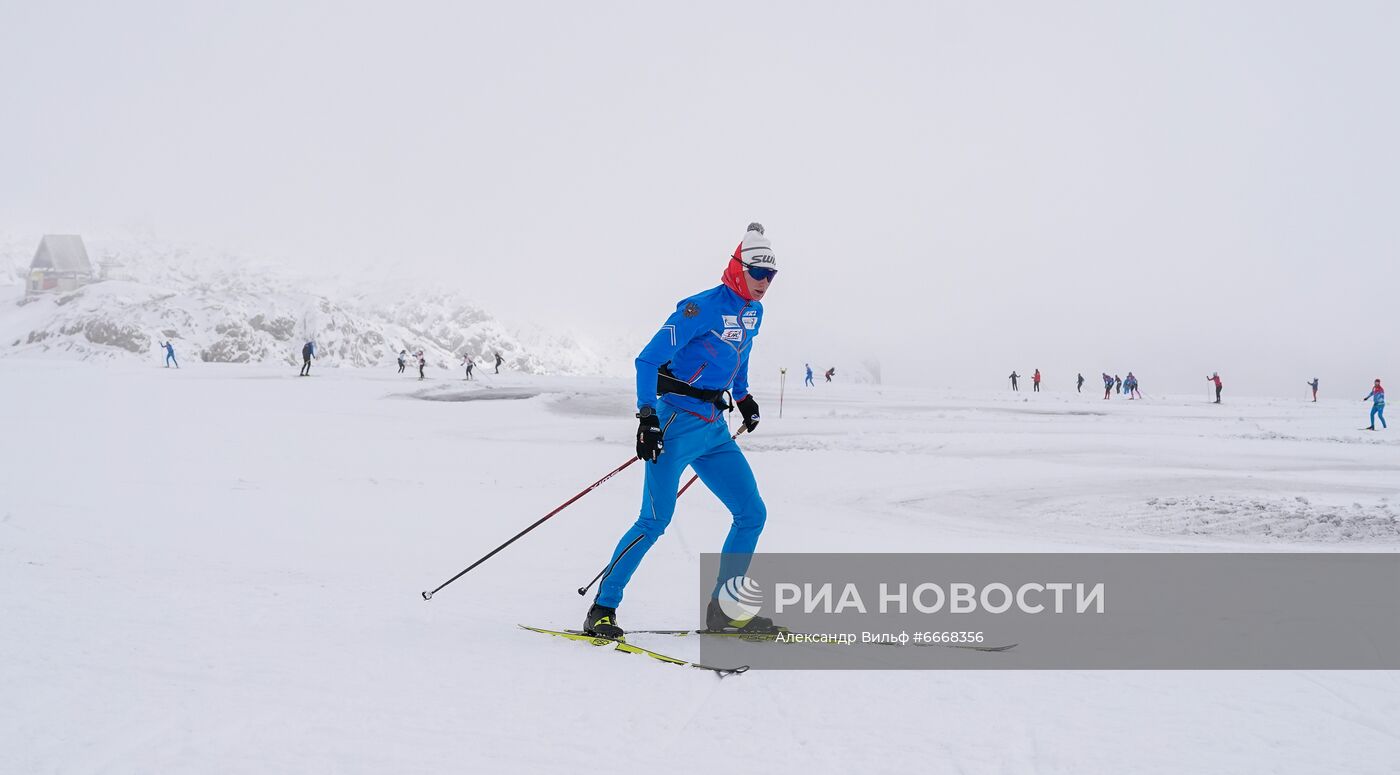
(831, 372)
(1035, 381)
(1131, 384)
(1079, 385)
(403, 360)
(1014, 377)
(469, 363)
(170, 355)
(308, 351)
(1117, 384)
(499, 361)
(1377, 398)
(809, 381)
(422, 362)
(1215, 377)
(1107, 386)
(1313, 385)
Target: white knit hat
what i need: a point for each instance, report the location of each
(756, 250)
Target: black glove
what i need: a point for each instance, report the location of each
(748, 412)
(649, 445)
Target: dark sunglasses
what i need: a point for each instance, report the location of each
(761, 273)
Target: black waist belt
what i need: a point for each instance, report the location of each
(666, 382)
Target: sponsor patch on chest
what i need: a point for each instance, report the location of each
(750, 320)
(732, 335)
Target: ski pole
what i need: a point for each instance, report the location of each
(782, 388)
(583, 590)
(538, 522)
(608, 568)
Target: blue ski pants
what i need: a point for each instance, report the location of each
(708, 449)
(1377, 410)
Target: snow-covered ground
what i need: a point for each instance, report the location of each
(217, 570)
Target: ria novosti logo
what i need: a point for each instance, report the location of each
(740, 598)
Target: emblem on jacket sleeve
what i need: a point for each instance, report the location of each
(691, 309)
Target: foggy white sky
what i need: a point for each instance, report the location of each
(957, 188)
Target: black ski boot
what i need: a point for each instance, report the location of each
(716, 620)
(602, 622)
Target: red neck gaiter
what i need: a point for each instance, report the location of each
(734, 275)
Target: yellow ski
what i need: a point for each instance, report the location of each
(627, 648)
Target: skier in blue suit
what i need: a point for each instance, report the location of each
(170, 355)
(1377, 399)
(808, 381)
(699, 354)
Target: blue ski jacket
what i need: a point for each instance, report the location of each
(1377, 396)
(707, 342)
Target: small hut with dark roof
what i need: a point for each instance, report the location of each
(60, 264)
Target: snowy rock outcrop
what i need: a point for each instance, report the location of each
(221, 309)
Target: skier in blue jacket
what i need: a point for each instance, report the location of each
(170, 355)
(700, 353)
(1377, 399)
(808, 381)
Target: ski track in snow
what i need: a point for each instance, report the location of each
(217, 570)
